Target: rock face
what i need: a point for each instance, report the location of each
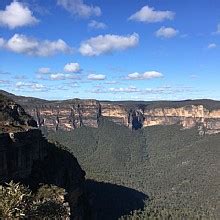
(71, 114)
(26, 156)
(13, 116)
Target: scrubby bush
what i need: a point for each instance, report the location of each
(18, 201)
(15, 200)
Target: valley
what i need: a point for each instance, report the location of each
(130, 173)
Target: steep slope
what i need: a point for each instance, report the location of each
(109, 142)
(13, 116)
(71, 114)
(27, 157)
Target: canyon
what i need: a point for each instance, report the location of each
(71, 114)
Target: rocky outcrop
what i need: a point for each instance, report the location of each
(13, 116)
(71, 114)
(27, 157)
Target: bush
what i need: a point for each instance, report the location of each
(17, 201)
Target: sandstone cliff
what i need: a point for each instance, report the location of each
(26, 156)
(70, 114)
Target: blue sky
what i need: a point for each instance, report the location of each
(112, 49)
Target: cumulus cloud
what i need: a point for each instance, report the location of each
(96, 77)
(17, 15)
(22, 44)
(97, 25)
(72, 68)
(150, 15)
(62, 76)
(146, 75)
(212, 46)
(79, 8)
(44, 70)
(30, 86)
(108, 43)
(166, 32)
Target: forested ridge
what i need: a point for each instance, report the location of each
(176, 169)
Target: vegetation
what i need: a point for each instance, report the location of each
(176, 168)
(154, 210)
(17, 201)
(207, 103)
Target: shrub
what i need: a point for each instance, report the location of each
(17, 201)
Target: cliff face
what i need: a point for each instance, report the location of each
(27, 157)
(13, 116)
(71, 114)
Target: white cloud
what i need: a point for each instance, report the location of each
(212, 46)
(149, 15)
(62, 76)
(130, 89)
(146, 75)
(44, 70)
(111, 82)
(166, 32)
(107, 43)
(97, 25)
(21, 44)
(4, 82)
(96, 77)
(29, 85)
(16, 15)
(218, 29)
(72, 68)
(79, 8)
(164, 90)
(2, 42)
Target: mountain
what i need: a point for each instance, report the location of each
(174, 169)
(74, 113)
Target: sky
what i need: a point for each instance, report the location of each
(110, 49)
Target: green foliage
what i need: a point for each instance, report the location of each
(166, 162)
(49, 202)
(116, 144)
(153, 210)
(4, 99)
(17, 201)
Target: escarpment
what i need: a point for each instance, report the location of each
(27, 157)
(71, 114)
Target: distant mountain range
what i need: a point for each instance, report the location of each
(74, 113)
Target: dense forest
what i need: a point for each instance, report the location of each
(173, 172)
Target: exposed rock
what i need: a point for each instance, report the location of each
(27, 157)
(71, 114)
(13, 116)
